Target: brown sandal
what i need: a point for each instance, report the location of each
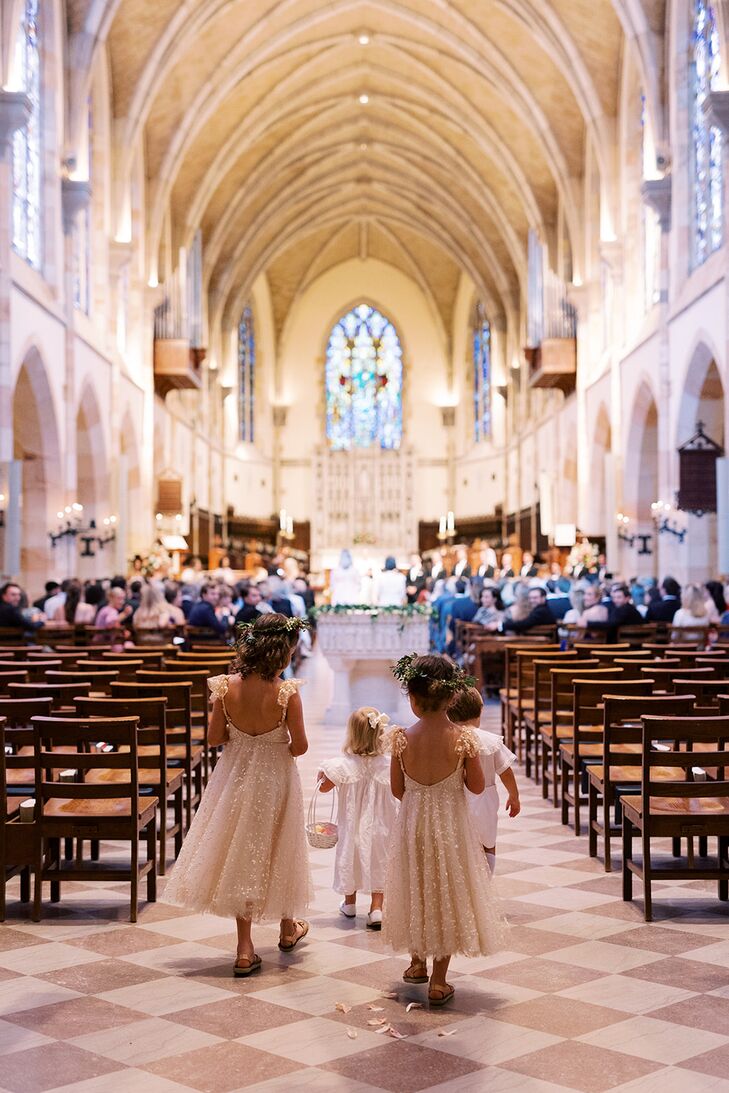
(251, 966)
(444, 994)
(287, 946)
(407, 978)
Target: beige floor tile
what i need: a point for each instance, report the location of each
(604, 957)
(144, 1041)
(581, 924)
(662, 1041)
(160, 996)
(130, 1081)
(714, 954)
(675, 1080)
(569, 899)
(485, 1041)
(314, 1041)
(622, 993)
(15, 1038)
(315, 1081)
(45, 958)
(17, 995)
(318, 995)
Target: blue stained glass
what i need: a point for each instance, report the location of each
(363, 381)
(26, 142)
(706, 140)
(246, 375)
(481, 375)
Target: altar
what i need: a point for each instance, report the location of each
(360, 646)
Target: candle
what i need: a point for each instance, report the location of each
(442, 526)
(451, 521)
(282, 520)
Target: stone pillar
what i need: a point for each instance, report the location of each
(14, 113)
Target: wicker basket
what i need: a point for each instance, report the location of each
(327, 837)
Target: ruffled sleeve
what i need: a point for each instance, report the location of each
(491, 744)
(397, 741)
(218, 687)
(288, 688)
(342, 771)
(467, 744)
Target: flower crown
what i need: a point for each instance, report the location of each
(248, 634)
(405, 672)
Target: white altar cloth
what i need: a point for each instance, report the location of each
(361, 647)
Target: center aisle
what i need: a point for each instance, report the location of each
(586, 997)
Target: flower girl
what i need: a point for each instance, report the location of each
(245, 854)
(366, 812)
(439, 898)
(496, 759)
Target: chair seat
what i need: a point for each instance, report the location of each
(12, 805)
(678, 806)
(174, 751)
(112, 807)
(621, 775)
(148, 776)
(568, 750)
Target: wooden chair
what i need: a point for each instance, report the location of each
(203, 647)
(151, 658)
(681, 807)
(586, 744)
(62, 694)
(508, 691)
(664, 677)
(212, 667)
(211, 654)
(200, 704)
(534, 701)
(35, 669)
(156, 776)
(606, 657)
(81, 810)
(620, 766)
(99, 682)
(17, 715)
(11, 635)
(560, 727)
(592, 649)
(181, 751)
(522, 699)
(693, 658)
(151, 637)
(6, 678)
(16, 838)
(707, 692)
(22, 652)
(636, 635)
(125, 669)
(67, 657)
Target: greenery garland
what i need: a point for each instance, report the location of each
(405, 612)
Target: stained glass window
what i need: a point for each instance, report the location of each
(246, 374)
(364, 382)
(26, 142)
(481, 375)
(706, 140)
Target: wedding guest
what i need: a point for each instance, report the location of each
(621, 610)
(539, 614)
(153, 612)
(11, 615)
(135, 594)
(249, 611)
(224, 607)
(273, 593)
(86, 611)
(66, 613)
(115, 612)
(203, 612)
(193, 573)
(518, 609)
(577, 605)
(693, 612)
(594, 612)
(345, 582)
(714, 596)
(663, 609)
(506, 567)
(462, 567)
(173, 596)
(490, 613)
(487, 568)
(58, 599)
(528, 568)
(51, 588)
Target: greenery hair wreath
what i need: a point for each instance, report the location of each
(405, 671)
(248, 635)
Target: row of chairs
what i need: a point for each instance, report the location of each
(111, 745)
(588, 723)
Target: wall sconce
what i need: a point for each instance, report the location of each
(669, 520)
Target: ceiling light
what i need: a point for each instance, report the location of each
(364, 39)
(364, 99)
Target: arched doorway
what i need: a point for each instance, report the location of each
(640, 480)
(36, 445)
(702, 401)
(92, 478)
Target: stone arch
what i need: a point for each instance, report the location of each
(36, 444)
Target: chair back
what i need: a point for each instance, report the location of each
(687, 738)
(178, 710)
(213, 665)
(562, 683)
(125, 669)
(636, 634)
(198, 653)
(62, 694)
(62, 743)
(511, 653)
(151, 723)
(622, 724)
(607, 656)
(706, 691)
(150, 657)
(22, 652)
(18, 712)
(592, 648)
(590, 692)
(664, 678)
(36, 669)
(66, 656)
(6, 678)
(539, 686)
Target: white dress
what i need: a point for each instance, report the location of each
(245, 854)
(365, 818)
(439, 895)
(484, 807)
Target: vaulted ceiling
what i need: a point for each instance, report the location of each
(474, 129)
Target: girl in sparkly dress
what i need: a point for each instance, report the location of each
(245, 854)
(439, 898)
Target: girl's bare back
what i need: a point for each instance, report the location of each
(431, 752)
(252, 704)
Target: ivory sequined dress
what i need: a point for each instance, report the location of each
(439, 896)
(245, 854)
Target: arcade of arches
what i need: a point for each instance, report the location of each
(194, 194)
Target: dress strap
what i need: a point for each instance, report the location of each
(288, 688)
(397, 742)
(467, 745)
(218, 686)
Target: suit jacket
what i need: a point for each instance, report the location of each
(540, 616)
(247, 613)
(663, 610)
(203, 615)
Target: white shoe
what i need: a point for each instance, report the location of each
(374, 920)
(349, 910)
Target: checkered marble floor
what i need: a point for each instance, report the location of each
(586, 997)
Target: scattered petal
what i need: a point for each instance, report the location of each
(377, 1021)
(342, 1007)
(376, 1009)
(389, 994)
(395, 1034)
(352, 1033)
(413, 1006)
(447, 1031)
(385, 1028)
